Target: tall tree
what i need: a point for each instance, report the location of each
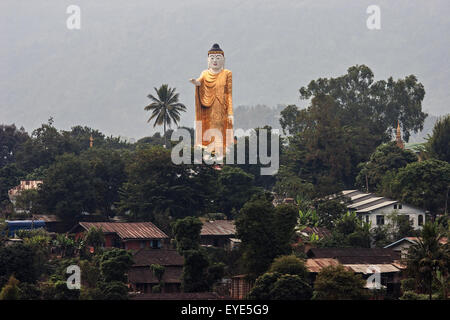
(348, 117)
(265, 233)
(45, 145)
(10, 176)
(165, 107)
(324, 152)
(11, 139)
(375, 105)
(67, 189)
(235, 188)
(438, 145)
(187, 233)
(107, 168)
(387, 157)
(423, 184)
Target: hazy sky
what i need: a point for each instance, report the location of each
(100, 75)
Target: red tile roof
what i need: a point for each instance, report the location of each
(128, 230)
(218, 228)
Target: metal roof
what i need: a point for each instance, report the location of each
(356, 255)
(172, 274)
(218, 228)
(359, 196)
(317, 264)
(377, 206)
(346, 192)
(164, 257)
(413, 240)
(401, 240)
(128, 230)
(372, 268)
(364, 202)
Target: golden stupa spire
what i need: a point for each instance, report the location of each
(398, 138)
(91, 142)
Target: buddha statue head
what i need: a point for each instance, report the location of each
(216, 59)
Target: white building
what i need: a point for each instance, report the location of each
(374, 209)
(24, 185)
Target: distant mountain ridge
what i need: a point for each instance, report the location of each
(250, 117)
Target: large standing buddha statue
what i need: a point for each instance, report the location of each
(213, 104)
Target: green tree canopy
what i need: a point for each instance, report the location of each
(194, 271)
(337, 283)
(11, 290)
(17, 260)
(95, 238)
(323, 151)
(155, 185)
(375, 105)
(348, 117)
(107, 168)
(387, 157)
(290, 287)
(114, 264)
(67, 189)
(235, 188)
(265, 233)
(349, 231)
(10, 176)
(277, 286)
(11, 138)
(423, 184)
(438, 145)
(289, 265)
(187, 233)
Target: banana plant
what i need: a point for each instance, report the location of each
(307, 217)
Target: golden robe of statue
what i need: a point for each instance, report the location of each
(213, 107)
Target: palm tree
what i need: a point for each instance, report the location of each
(165, 107)
(429, 258)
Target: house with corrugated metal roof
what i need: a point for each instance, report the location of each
(141, 277)
(126, 235)
(375, 209)
(402, 246)
(363, 261)
(218, 233)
